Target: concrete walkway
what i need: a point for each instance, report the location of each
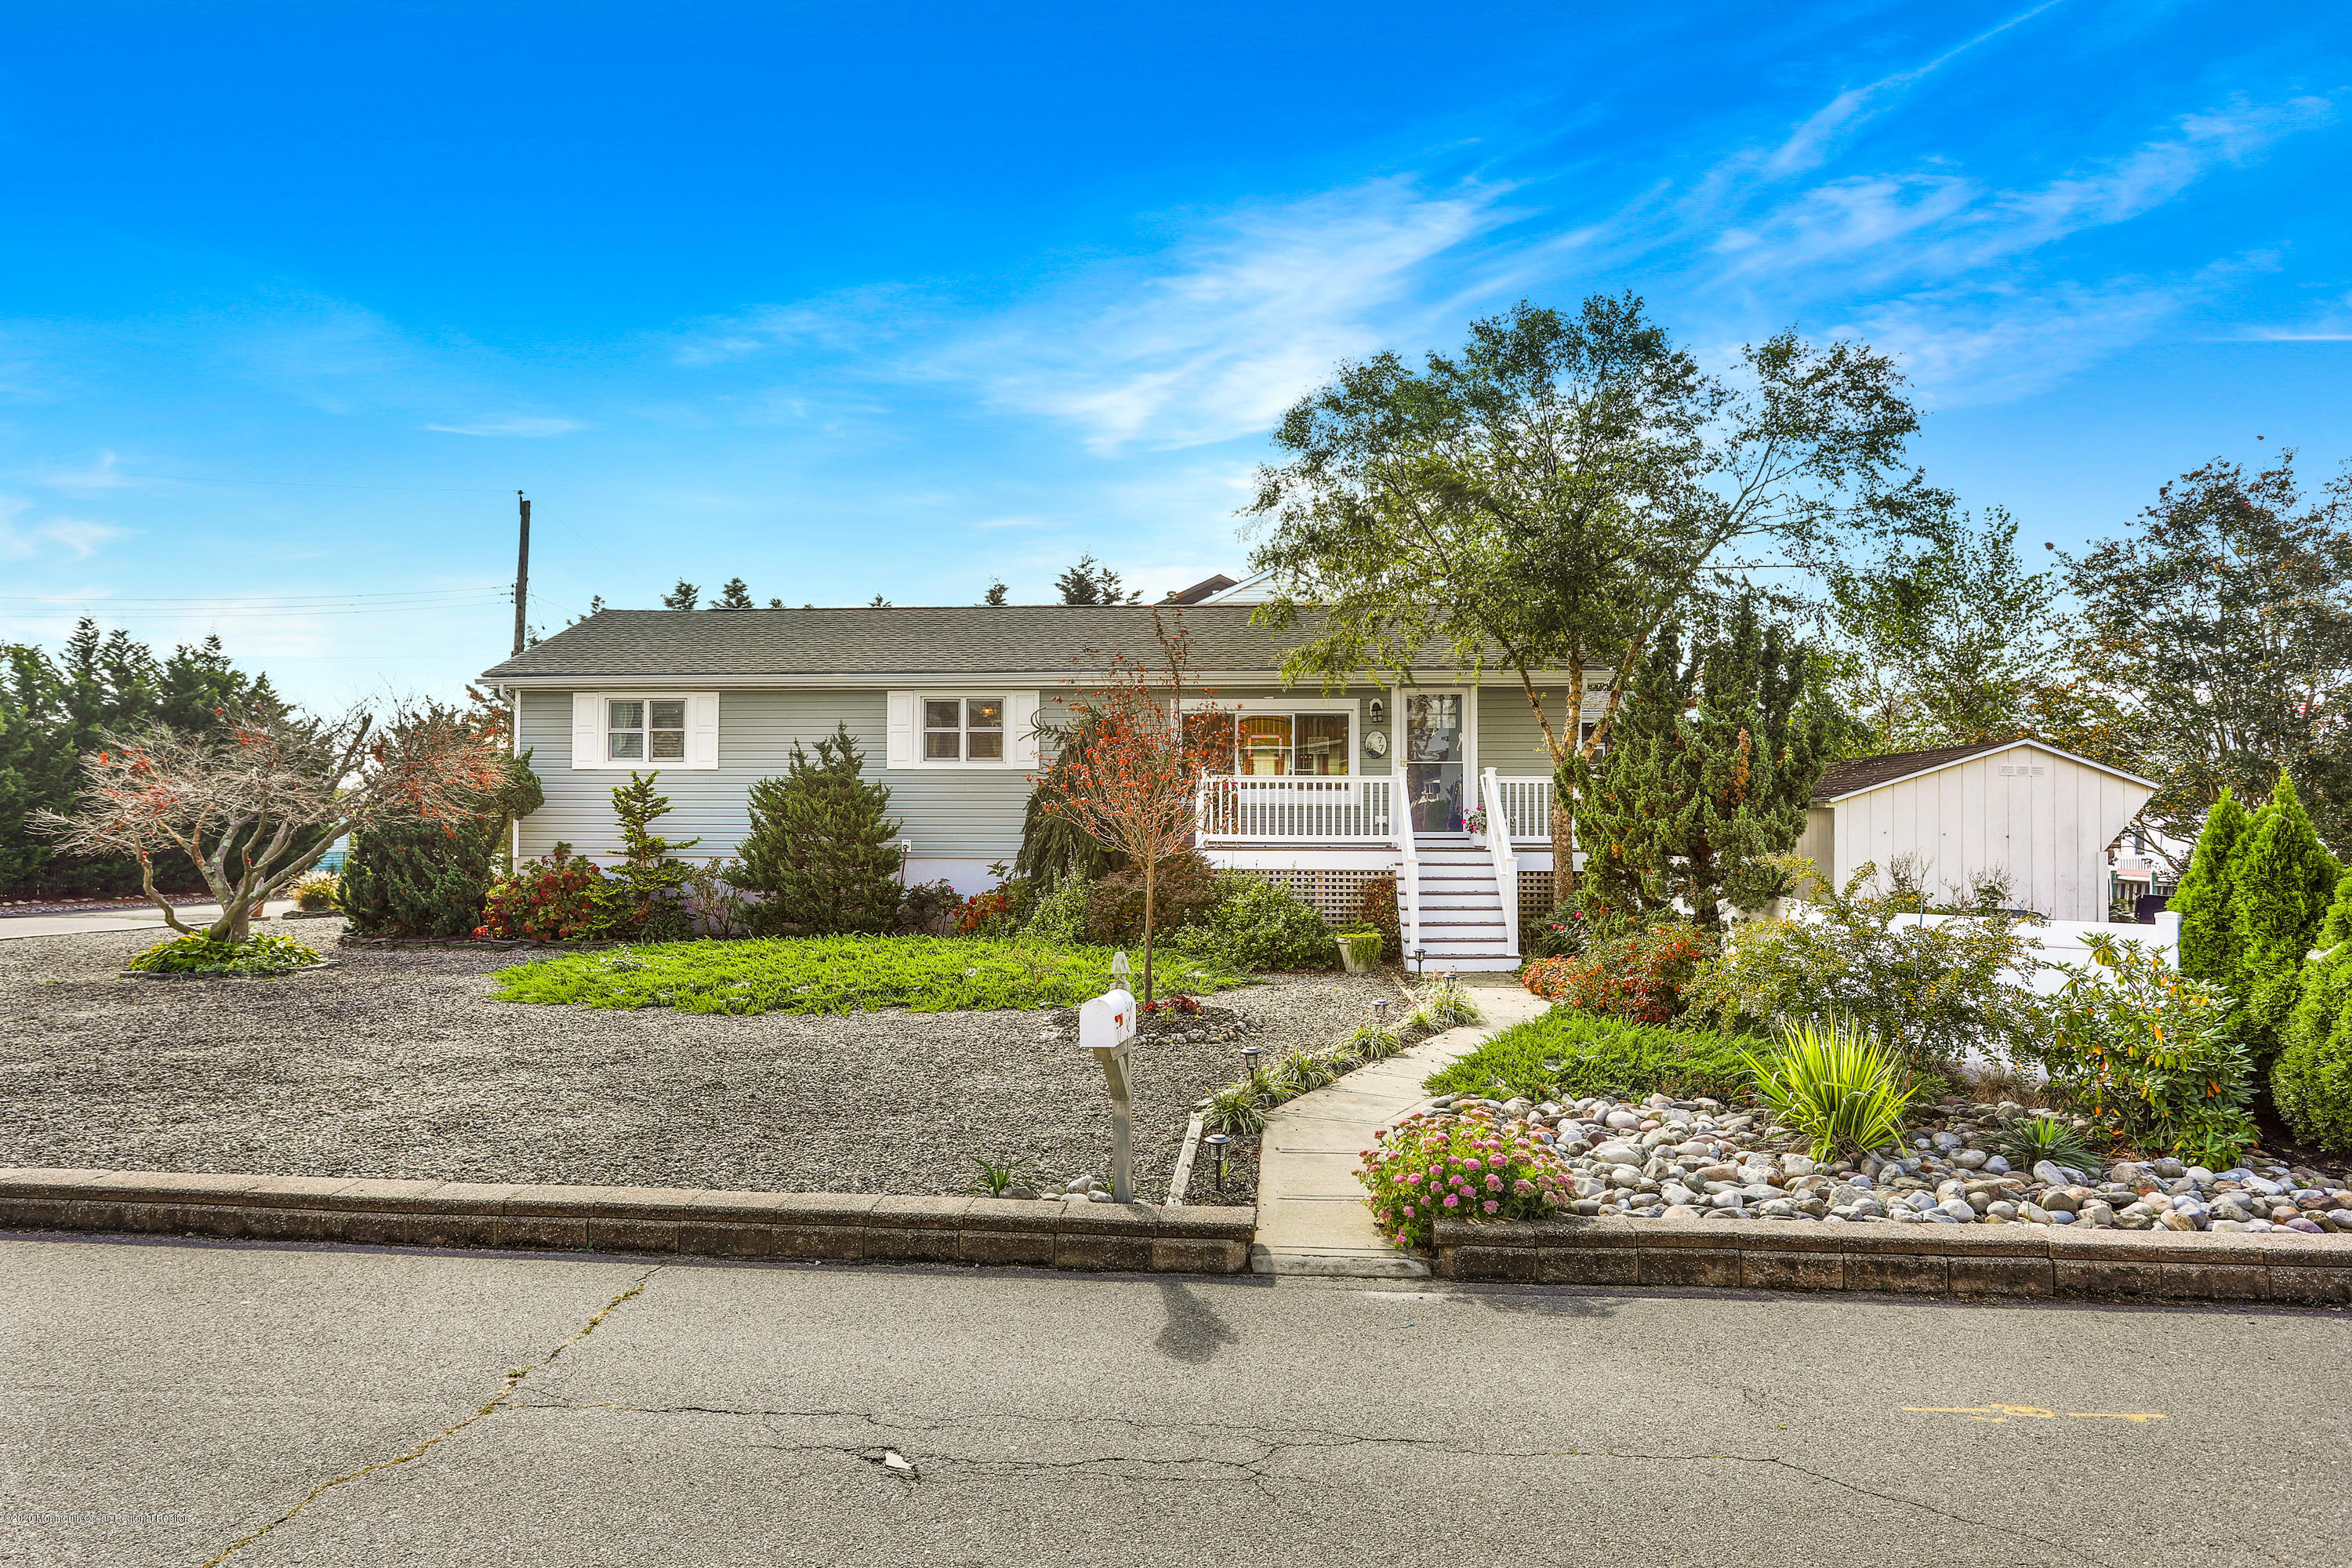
(14, 926)
(1311, 1217)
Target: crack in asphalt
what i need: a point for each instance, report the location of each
(1272, 1441)
(514, 1379)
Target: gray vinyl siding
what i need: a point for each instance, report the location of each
(1511, 742)
(953, 813)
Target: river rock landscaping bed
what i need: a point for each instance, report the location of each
(1698, 1159)
(398, 1064)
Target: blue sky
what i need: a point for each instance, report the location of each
(861, 299)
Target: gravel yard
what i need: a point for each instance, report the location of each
(397, 1064)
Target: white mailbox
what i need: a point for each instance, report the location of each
(1106, 1025)
(1107, 1021)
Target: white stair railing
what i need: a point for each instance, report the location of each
(1408, 873)
(1507, 864)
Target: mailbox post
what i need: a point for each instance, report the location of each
(1106, 1027)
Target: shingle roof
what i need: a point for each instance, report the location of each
(1843, 779)
(954, 639)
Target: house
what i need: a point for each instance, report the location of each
(2045, 818)
(1323, 790)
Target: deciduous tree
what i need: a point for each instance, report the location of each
(2219, 633)
(252, 805)
(1543, 502)
(1132, 786)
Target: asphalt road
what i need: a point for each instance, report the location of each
(160, 1402)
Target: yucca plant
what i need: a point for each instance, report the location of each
(1836, 1085)
(2044, 1137)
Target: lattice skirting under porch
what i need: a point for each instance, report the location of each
(1337, 896)
(1535, 898)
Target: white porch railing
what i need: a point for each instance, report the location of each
(1296, 808)
(1524, 802)
(1507, 864)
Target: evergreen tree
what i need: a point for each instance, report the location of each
(2281, 882)
(685, 596)
(1092, 583)
(997, 594)
(2209, 937)
(645, 900)
(735, 595)
(422, 878)
(1710, 769)
(821, 846)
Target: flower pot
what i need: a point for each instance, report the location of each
(1361, 951)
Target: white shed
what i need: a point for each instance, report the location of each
(2043, 816)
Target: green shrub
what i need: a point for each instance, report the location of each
(1566, 1055)
(560, 899)
(2209, 936)
(1929, 990)
(1258, 925)
(430, 878)
(831, 974)
(1559, 934)
(199, 955)
(2149, 1054)
(315, 893)
(1640, 973)
(2312, 1084)
(2281, 882)
(1836, 1086)
(1378, 910)
(822, 845)
(1182, 886)
(1058, 919)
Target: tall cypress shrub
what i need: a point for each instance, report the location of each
(822, 846)
(1710, 768)
(2282, 882)
(2209, 937)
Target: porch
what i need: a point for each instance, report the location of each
(1461, 867)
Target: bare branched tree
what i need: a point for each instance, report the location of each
(252, 805)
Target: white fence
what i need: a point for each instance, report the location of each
(2055, 942)
(1295, 808)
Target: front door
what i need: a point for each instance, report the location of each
(1436, 758)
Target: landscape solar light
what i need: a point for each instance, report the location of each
(1217, 1142)
(1249, 1062)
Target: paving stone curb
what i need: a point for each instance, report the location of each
(1964, 1260)
(840, 1226)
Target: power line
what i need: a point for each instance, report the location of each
(240, 601)
(299, 484)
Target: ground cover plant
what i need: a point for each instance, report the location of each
(201, 954)
(831, 974)
(1566, 1055)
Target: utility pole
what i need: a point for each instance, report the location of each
(522, 568)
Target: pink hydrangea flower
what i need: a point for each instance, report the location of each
(1494, 1184)
(1453, 1200)
(1492, 1206)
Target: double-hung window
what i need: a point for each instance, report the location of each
(963, 728)
(636, 729)
(664, 731)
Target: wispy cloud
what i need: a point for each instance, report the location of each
(519, 425)
(98, 477)
(1213, 339)
(24, 537)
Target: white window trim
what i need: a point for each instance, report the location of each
(589, 732)
(904, 730)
